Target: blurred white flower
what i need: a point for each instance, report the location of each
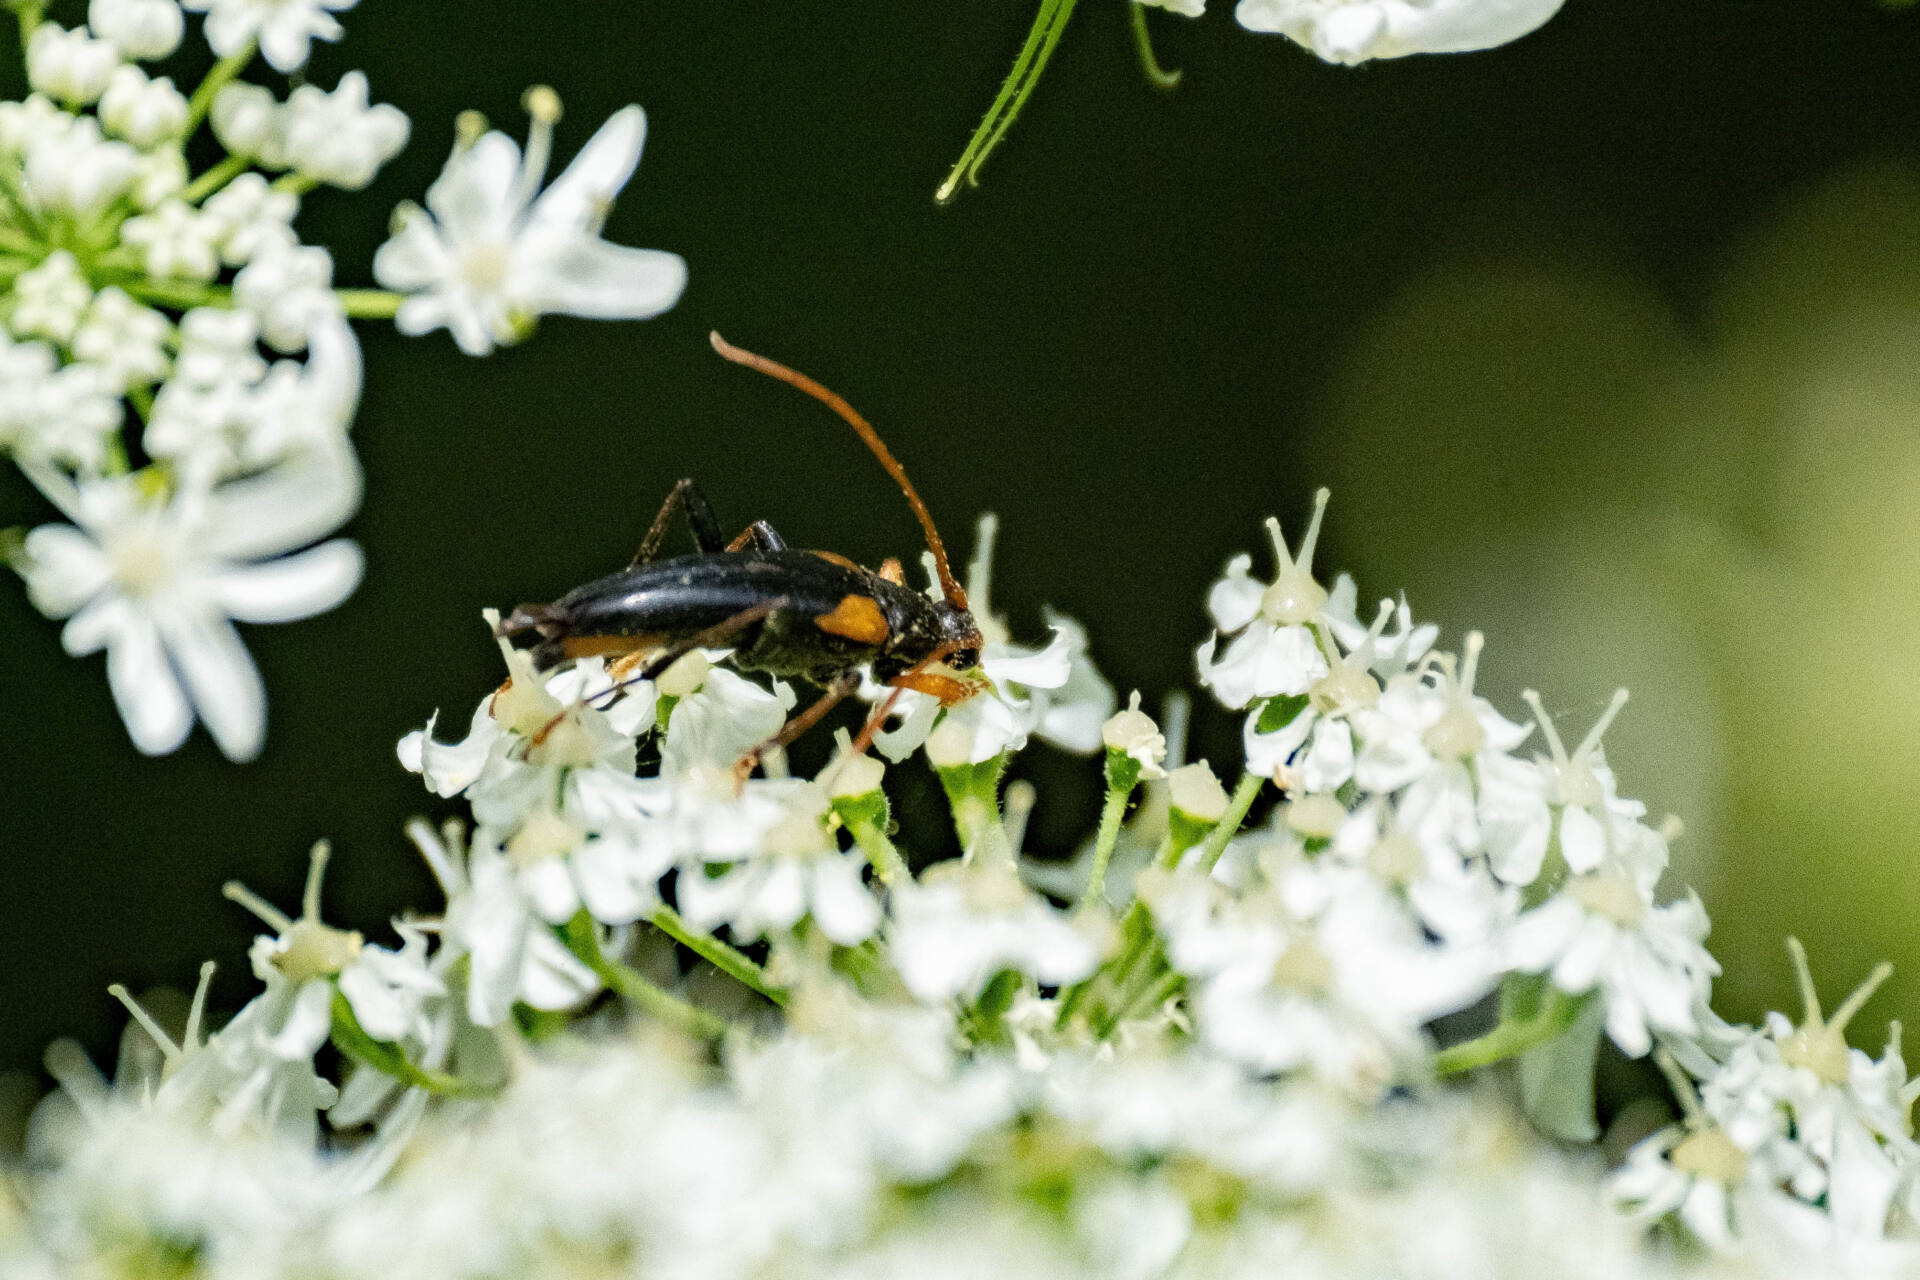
(154, 579)
(492, 251)
(1352, 31)
(284, 29)
(336, 137)
(143, 29)
(71, 66)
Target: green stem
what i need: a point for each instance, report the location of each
(729, 960)
(888, 863)
(29, 15)
(178, 293)
(1048, 24)
(1511, 1038)
(214, 179)
(202, 100)
(582, 938)
(1111, 813)
(1244, 794)
(142, 400)
(1157, 76)
(298, 183)
(352, 1039)
(370, 304)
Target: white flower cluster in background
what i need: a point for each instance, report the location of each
(1351, 31)
(177, 371)
(678, 1020)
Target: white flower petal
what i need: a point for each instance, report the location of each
(292, 587)
(221, 679)
(144, 686)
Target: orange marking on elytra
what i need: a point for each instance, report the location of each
(858, 618)
(605, 646)
(834, 557)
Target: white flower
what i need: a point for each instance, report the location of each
(71, 66)
(224, 412)
(799, 872)
(336, 137)
(75, 171)
(285, 29)
(1603, 931)
(1133, 733)
(144, 111)
(125, 338)
(153, 580)
(67, 416)
(49, 299)
(290, 288)
(144, 29)
(305, 959)
(515, 956)
(175, 240)
(1186, 8)
(1352, 31)
(249, 121)
(1054, 693)
(492, 251)
(965, 923)
(248, 215)
(1276, 653)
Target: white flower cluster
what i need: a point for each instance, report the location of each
(1351, 31)
(678, 1020)
(177, 371)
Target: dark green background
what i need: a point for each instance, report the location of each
(1116, 343)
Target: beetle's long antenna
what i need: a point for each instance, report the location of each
(949, 585)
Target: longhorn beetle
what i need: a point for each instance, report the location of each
(814, 615)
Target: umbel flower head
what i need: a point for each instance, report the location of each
(678, 1020)
(151, 313)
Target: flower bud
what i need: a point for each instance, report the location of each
(685, 676)
(1135, 746)
(144, 29)
(70, 66)
(1316, 817)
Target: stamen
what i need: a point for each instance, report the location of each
(1683, 1089)
(543, 106)
(1312, 539)
(68, 1064)
(274, 917)
(197, 1011)
(1545, 722)
(1861, 994)
(1592, 740)
(1175, 711)
(980, 567)
(468, 128)
(316, 871)
(168, 1048)
(1803, 973)
(1470, 662)
(434, 854)
(1019, 802)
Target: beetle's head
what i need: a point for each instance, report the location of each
(958, 628)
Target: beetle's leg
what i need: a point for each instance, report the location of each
(948, 689)
(686, 496)
(789, 732)
(762, 537)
